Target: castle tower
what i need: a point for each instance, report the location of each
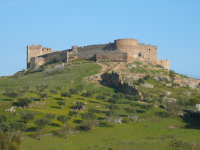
(75, 48)
(33, 51)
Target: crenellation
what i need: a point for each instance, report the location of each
(120, 50)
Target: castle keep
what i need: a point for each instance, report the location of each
(128, 50)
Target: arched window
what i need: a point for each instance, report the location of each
(139, 55)
(149, 49)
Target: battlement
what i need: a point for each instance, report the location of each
(120, 50)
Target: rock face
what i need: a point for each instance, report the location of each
(147, 85)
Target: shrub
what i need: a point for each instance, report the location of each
(160, 66)
(101, 97)
(88, 93)
(104, 124)
(140, 80)
(125, 120)
(137, 97)
(147, 77)
(130, 97)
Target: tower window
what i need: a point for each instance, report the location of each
(139, 55)
(149, 49)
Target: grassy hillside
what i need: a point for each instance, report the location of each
(155, 129)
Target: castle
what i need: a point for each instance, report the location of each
(127, 50)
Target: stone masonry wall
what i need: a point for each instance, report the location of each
(112, 55)
(120, 50)
(89, 52)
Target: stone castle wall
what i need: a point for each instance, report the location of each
(120, 50)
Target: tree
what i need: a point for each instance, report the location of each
(130, 111)
(53, 92)
(172, 75)
(140, 80)
(89, 124)
(113, 100)
(182, 102)
(42, 122)
(65, 94)
(24, 102)
(43, 95)
(113, 107)
(50, 116)
(16, 139)
(71, 113)
(4, 127)
(27, 116)
(147, 107)
(193, 101)
(66, 130)
(132, 104)
(58, 87)
(63, 119)
(4, 141)
(88, 116)
(3, 118)
(93, 110)
(137, 97)
(174, 108)
(73, 91)
(20, 126)
(112, 114)
(80, 87)
(13, 95)
(61, 103)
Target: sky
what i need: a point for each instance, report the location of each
(172, 25)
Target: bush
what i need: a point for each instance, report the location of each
(140, 80)
(125, 120)
(118, 96)
(88, 93)
(160, 66)
(147, 77)
(137, 97)
(130, 97)
(104, 124)
(101, 97)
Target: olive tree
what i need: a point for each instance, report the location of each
(63, 119)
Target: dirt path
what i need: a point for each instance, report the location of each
(98, 75)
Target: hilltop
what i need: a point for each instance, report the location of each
(131, 105)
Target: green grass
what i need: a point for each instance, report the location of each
(151, 131)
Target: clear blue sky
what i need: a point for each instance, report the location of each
(172, 25)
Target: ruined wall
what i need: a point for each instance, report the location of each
(113, 55)
(148, 51)
(120, 50)
(89, 52)
(46, 50)
(33, 51)
(164, 63)
(39, 60)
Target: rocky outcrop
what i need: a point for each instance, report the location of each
(147, 85)
(116, 80)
